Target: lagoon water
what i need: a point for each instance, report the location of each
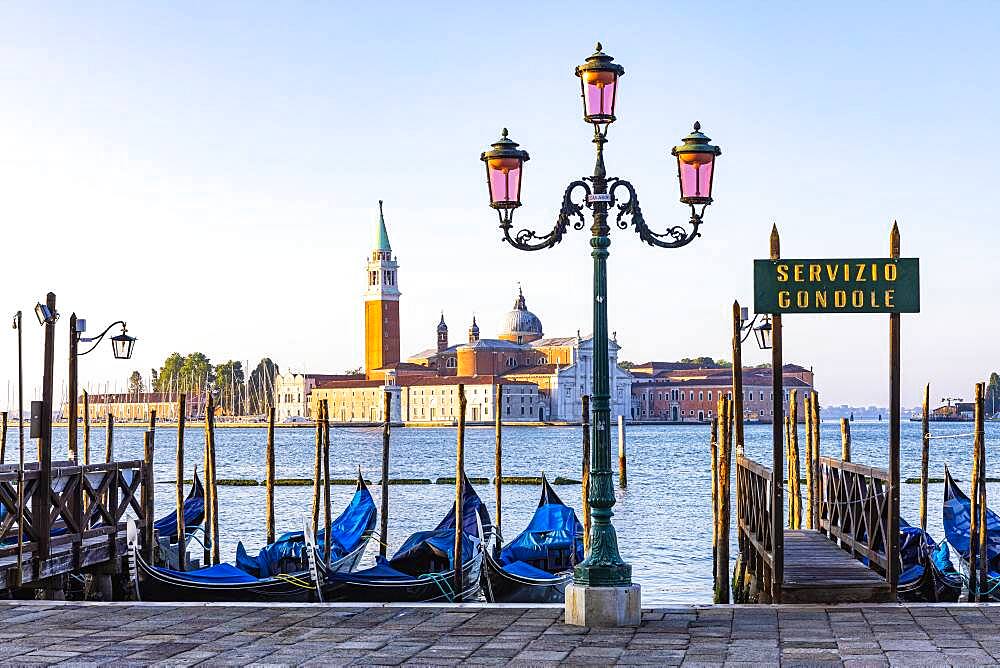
(663, 518)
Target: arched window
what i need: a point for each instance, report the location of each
(511, 362)
(452, 363)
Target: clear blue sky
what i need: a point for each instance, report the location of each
(211, 172)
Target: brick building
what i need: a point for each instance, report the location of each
(692, 395)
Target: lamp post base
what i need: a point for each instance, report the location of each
(603, 606)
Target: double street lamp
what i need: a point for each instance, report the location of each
(599, 80)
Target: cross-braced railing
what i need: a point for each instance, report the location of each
(753, 516)
(853, 509)
(83, 502)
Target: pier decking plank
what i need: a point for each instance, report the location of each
(817, 570)
(62, 559)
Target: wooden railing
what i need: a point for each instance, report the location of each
(754, 521)
(83, 502)
(853, 509)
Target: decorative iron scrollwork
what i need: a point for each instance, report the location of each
(529, 240)
(673, 237)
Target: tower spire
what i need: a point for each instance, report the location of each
(382, 238)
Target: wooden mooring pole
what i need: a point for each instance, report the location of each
(207, 465)
(622, 462)
(458, 585)
(215, 480)
(86, 427)
(794, 487)
(974, 498)
(845, 440)
(498, 469)
(725, 455)
(738, 377)
(384, 482)
(810, 463)
(148, 511)
(109, 438)
(178, 485)
(895, 425)
(777, 451)
(814, 411)
(713, 449)
(327, 509)
(317, 467)
(925, 450)
(585, 477)
(3, 439)
(269, 478)
(980, 436)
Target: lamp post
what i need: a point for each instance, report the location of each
(121, 347)
(20, 388)
(602, 593)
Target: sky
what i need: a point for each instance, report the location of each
(210, 172)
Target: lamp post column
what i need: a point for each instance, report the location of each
(72, 389)
(602, 593)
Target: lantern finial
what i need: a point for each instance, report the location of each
(503, 133)
(697, 126)
(598, 48)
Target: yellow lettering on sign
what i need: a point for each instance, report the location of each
(802, 299)
(857, 298)
(821, 299)
(784, 301)
(797, 272)
(889, 296)
(832, 270)
(815, 272)
(874, 271)
(890, 272)
(839, 298)
(782, 273)
(859, 275)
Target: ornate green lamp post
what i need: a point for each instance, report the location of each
(602, 593)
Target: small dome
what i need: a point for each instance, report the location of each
(521, 323)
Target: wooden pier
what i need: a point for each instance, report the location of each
(69, 519)
(822, 565)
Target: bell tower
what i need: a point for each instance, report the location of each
(381, 303)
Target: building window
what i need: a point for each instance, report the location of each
(762, 412)
(762, 395)
(710, 398)
(701, 396)
(511, 362)
(452, 363)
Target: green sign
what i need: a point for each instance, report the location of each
(878, 285)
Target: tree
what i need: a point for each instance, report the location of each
(135, 384)
(168, 380)
(229, 387)
(355, 372)
(992, 398)
(154, 380)
(196, 373)
(625, 364)
(260, 387)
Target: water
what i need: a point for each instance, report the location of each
(663, 518)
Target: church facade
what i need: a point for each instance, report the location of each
(543, 379)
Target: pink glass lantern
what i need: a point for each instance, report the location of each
(696, 167)
(599, 86)
(504, 162)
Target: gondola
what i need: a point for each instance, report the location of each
(927, 574)
(956, 518)
(284, 571)
(536, 566)
(194, 512)
(422, 570)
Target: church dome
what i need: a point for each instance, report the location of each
(521, 325)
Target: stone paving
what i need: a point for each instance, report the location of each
(221, 635)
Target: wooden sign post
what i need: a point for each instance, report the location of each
(869, 285)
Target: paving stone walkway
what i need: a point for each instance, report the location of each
(220, 635)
